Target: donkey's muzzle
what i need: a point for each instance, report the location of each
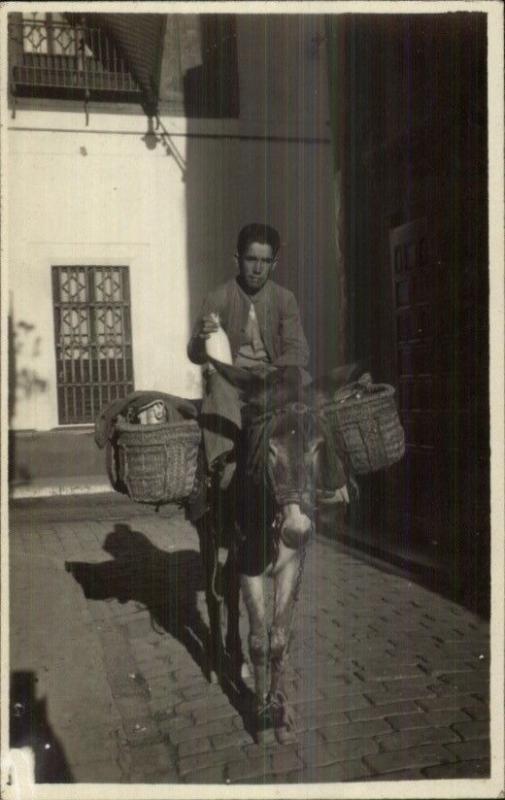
(296, 528)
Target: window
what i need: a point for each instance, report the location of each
(92, 321)
(53, 57)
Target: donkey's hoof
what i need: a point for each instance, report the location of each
(285, 735)
(283, 719)
(213, 676)
(263, 722)
(245, 672)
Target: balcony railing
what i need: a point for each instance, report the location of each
(57, 59)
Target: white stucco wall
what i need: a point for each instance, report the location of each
(95, 194)
(83, 198)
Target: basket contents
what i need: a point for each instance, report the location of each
(364, 422)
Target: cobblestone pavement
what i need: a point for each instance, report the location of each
(388, 680)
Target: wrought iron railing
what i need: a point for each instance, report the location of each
(55, 58)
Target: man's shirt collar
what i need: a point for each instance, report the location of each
(255, 298)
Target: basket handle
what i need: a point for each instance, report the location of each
(363, 384)
(111, 466)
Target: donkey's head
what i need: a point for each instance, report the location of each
(285, 446)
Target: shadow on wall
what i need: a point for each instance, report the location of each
(274, 168)
(29, 727)
(24, 383)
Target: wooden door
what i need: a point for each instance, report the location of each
(421, 390)
(438, 497)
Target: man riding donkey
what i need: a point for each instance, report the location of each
(266, 338)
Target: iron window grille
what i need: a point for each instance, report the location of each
(92, 321)
(50, 57)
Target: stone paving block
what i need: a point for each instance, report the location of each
(390, 673)
(353, 770)
(150, 758)
(89, 744)
(469, 648)
(128, 685)
(448, 702)
(164, 776)
(419, 683)
(394, 694)
(351, 748)
(398, 775)
(191, 693)
(97, 772)
(308, 739)
(308, 720)
(383, 711)
(413, 758)
(123, 612)
(355, 730)
(213, 774)
(285, 759)
(333, 692)
(468, 682)
(439, 667)
(472, 730)
(193, 746)
(431, 719)
(341, 704)
(465, 751)
(235, 738)
(441, 689)
(220, 726)
(171, 724)
(131, 707)
(229, 756)
(141, 731)
(52, 547)
(137, 625)
(99, 611)
(204, 705)
(478, 768)
(415, 737)
(251, 769)
(187, 678)
(160, 682)
(478, 711)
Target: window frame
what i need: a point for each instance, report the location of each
(80, 399)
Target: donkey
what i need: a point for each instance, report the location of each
(282, 467)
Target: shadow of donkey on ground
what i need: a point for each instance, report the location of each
(166, 583)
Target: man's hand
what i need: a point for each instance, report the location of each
(209, 324)
(339, 496)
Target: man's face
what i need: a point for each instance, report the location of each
(255, 266)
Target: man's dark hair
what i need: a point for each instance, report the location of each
(256, 232)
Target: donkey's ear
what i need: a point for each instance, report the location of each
(338, 377)
(277, 389)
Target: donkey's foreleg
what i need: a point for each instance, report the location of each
(286, 574)
(254, 599)
(233, 643)
(210, 561)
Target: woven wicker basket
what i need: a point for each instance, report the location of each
(366, 427)
(157, 463)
